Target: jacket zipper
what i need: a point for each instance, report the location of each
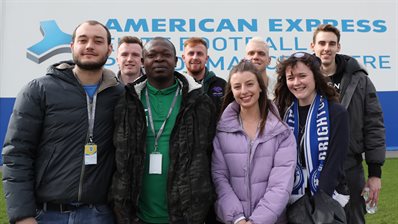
(248, 176)
(79, 194)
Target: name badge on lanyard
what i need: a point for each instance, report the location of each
(155, 163)
(90, 154)
(155, 158)
(90, 148)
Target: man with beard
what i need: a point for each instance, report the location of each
(58, 151)
(129, 55)
(165, 126)
(257, 51)
(195, 58)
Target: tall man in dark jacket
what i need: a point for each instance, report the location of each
(58, 152)
(195, 57)
(358, 95)
(165, 125)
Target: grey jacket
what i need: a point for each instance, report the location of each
(359, 97)
(44, 147)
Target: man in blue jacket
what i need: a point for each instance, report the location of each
(58, 151)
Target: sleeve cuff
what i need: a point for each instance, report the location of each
(374, 170)
(239, 219)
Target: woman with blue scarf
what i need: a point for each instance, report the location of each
(320, 124)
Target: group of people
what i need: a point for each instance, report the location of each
(152, 145)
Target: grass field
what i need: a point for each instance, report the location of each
(387, 208)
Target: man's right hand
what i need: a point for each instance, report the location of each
(29, 220)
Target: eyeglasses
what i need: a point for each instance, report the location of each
(300, 54)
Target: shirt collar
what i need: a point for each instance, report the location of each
(166, 91)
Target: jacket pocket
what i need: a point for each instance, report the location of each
(42, 163)
(356, 142)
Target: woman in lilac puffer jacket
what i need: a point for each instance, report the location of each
(254, 153)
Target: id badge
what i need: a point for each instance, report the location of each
(90, 154)
(155, 163)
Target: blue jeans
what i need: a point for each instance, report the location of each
(99, 214)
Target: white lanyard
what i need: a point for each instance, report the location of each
(157, 136)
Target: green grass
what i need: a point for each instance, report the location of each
(387, 208)
(3, 214)
(388, 204)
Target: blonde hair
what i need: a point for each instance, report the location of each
(259, 40)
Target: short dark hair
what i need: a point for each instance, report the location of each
(326, 28)
(130, 40)
(144, 51)
(93, 23)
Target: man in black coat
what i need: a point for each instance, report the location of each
(58, 152)
(358, 95)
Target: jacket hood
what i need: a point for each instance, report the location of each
(208, 75)
(185, 81)
(64, 70)
(229, 122)
(352, 65)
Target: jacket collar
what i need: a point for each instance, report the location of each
(109, 78)
(229, 122)
(184, 81)
(349, 64)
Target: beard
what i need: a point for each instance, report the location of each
(90, 66)
(195, 71)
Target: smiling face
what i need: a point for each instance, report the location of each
(195, 58)
(325, 47)
(245, 89)
(129, 59)
(90, 48)
(301, 83)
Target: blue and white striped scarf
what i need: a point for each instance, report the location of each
(315, 142)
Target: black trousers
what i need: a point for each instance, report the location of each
(355, 209)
